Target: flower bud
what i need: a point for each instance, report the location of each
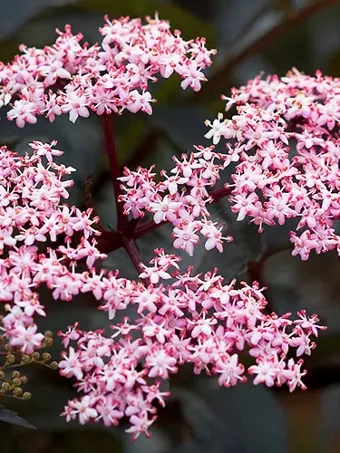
(10, 359)
(17, 392)
(45, 357)
(48, 342)
(5, 387)
(25, 359)
(16, 382)
(27, 396)
(23, 379)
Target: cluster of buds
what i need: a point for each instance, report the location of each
(12, 358)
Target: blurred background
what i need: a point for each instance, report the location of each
(252, 36)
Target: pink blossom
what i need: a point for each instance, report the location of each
(83, 409)
(27, 338)
(230, 371)
(71, 365)
(179, 317)
(172, 330)
(186, 238)
(95, 78)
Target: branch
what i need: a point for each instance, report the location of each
(256, 268)
(115, 172)
(131, 248)
(218, 80)
(108, 241)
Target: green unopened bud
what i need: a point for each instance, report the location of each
(2, 374)
(17, 392)
(15, 374)
(45, 357)
(23, 379)
(10, 359)
(48, 342)
(27, 396)
(48, 334)
(16, 382)
(35, 356)
(25, 359)
(5, 387)
(54, 365)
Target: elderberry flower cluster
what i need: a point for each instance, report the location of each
(179, 198)
(74, 78)
(285, 145)
(284, 138)
(196, 319)
(32, 216)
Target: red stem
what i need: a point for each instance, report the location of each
(220, 193)
(123, 237)
(255, 270)
(133, 252)
(115, 171)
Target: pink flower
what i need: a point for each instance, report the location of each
(76, 104)
(165, 210)
(27, 338)
(293, 375)
(266, 372)
(139, 101)
(23, 112)
(186, 238)
(139, 425)
(192, 75)
(160, 363)
(71, 365)
(83, 408)
(230, 371)
(214, 236)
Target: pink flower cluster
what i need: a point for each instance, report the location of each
(31, 214)
(196, 319)
(285, 140)
(179, 198)
(72, 78)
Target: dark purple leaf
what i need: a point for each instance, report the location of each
(13, 418)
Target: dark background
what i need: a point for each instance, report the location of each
(252, 36)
